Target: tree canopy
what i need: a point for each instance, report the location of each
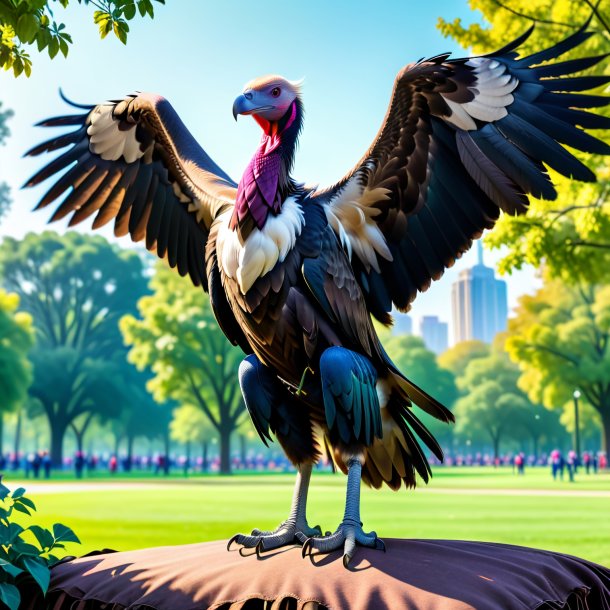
(16, 338)
(76, 287)
(560, 338)
(31, 23)
(572, 234)
(179, 340)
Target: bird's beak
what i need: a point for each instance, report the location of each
(243, 105)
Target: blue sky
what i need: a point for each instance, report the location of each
(199, 53)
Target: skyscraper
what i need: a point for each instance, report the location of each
(479, 303)
(434, 333)
(403, 324)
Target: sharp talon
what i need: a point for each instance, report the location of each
(319, 528)
(246, 549)
(231, 541)
(380, 545)
(328, 533)
(306, 546)
(259, 548)
(346, 560)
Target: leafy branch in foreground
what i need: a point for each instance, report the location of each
(31, 22)
(20, 560)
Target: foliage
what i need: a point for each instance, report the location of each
(560, 338)
(24, 23)
(492, 406)
(572, 234)
(190, 425)
(419, 364)
(179, 340)
(457, 357)
(21, 560)
(76, 287)
(4, 133)
(16, 338)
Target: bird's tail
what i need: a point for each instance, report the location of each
(397, 456)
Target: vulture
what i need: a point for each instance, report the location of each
(296, 274)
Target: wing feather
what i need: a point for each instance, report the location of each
(133, 161)
(462, 140)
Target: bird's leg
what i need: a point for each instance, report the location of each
(350, 532)
(294, 529)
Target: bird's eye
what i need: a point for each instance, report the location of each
(275, 92)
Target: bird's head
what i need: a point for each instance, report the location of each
(268, 99)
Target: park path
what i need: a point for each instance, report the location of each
(35, 488)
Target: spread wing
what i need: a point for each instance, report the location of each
(462, 139)
(134, 162)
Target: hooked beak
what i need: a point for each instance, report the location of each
(244, 105)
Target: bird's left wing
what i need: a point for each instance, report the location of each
(133, 161)
(462, 139)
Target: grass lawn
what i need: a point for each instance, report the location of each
(178, 511)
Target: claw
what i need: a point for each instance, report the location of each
(346, 559)
(306, 547)
(380, 545)
(259, 548)
(244, 548)
(231, 541)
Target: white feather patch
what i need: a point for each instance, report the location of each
(492, 95)
(351, 214)
(263, 249)
(108, 141)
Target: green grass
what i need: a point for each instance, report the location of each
(179, 511)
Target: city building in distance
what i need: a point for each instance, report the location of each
(479, 303)
(403, 324)
(434, 333)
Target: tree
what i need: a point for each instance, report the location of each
(418, 363)
(492, 407)
(560, 338)
(179, 340)
(76, 287)
(572, 234)
(4, 133)
(457, 358)
(190, 425)
(24, 23)
(16, 338)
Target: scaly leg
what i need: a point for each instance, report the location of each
(350, 532)
(294, 529)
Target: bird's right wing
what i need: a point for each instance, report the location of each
(462, 139)
(133, 161)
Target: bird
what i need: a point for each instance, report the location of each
(296, 274)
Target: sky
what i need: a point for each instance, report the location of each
(198, 54)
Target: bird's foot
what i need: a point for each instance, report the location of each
(348, 535)
(288, 532)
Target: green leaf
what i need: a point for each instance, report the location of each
(19, 507)
(9, 533)
(142, 7)
(101, 16)
(24, 548)
(105, 27)
(4, 491)
(39, 572)
(62, 533)
(27, 27)
(120, 30)
(45, 537)
(9, 594)
(129, 11)
(52, 559)
(63, 47)
(18, 493)
(27, 502)
(9, 568)
(53, 47)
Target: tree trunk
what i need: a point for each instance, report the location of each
(242, 448)
(117, 442)
(167, 450)
(78, 435)
(17, 434)
(2, 433)
(496, 442)
(58, 431)
(225, 450)
(204, 456)
(130, 442)
(606, 433)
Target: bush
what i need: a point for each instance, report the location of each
(21, 561)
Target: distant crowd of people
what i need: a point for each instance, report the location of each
(39, 465)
